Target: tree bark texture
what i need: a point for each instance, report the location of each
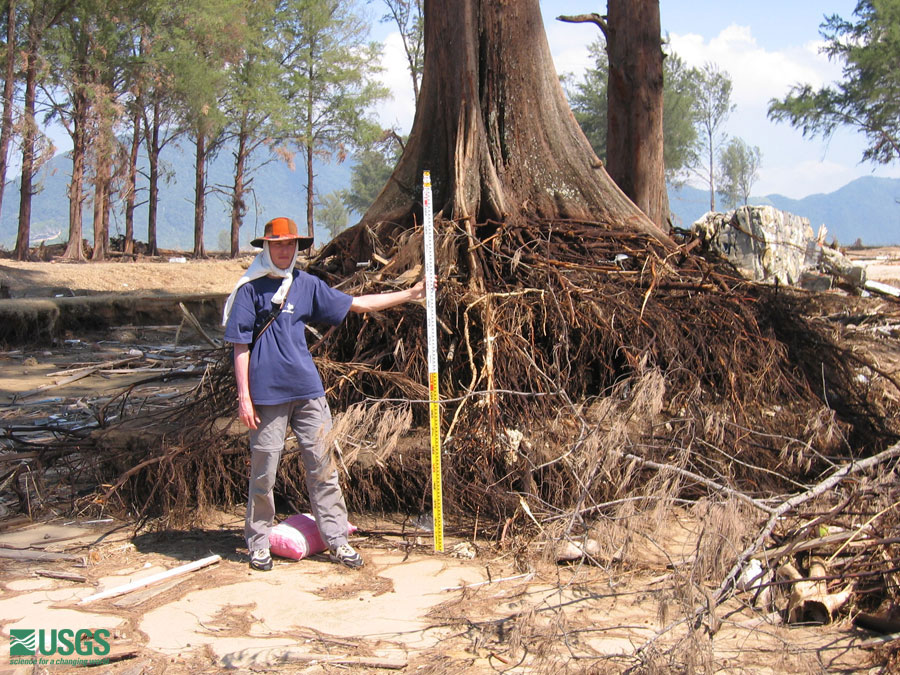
(494, 128)
(199, 192)
(634, 153)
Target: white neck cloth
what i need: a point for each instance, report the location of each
(262, 266)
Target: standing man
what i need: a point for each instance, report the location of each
(278, 383)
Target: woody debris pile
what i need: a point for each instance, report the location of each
(592, 381)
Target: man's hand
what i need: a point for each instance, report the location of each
(247, 413)
(417, 292)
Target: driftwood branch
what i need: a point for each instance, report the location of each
(588, 18)
(191, 319)
(79, 374)
(737, 494)
(155, 578)
(66, 576)
(727, 585)
(39, 556)
(252, 659)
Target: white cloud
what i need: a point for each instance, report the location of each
(399, 110)
(758, 74)
(791, 165)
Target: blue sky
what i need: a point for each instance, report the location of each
(765, 46)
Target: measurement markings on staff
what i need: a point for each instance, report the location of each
(437, 510)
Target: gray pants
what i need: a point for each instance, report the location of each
(311, 421)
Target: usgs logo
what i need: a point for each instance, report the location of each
(31, 642)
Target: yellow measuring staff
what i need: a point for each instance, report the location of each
(437, 510)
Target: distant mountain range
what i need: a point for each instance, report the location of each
(866, 209)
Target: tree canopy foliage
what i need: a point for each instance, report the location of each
(868, 96)
(285, 74)
(333, 75)
(408, 17)
(371, 172)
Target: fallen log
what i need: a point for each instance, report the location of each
(141, 583)
(38, 556)
(65, 576)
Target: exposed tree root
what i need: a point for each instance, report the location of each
(587, 377)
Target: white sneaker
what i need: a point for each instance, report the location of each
(261, 559)
(345, 555)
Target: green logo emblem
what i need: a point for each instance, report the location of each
(22, 642)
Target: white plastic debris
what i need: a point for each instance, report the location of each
(751, 577)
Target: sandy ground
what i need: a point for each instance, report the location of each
(409, 609)
(160, 276)
(466, 610)
(882, 264)
(177, 275)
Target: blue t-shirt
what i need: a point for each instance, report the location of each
(281, 367)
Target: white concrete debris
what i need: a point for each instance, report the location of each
(766, 244)
(762, 242)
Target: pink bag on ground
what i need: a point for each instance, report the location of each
(298, 537)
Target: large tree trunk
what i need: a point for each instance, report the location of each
(634, 151)
(494, 128)
(8, 91)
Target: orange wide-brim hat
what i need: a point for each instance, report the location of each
(282, 229)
